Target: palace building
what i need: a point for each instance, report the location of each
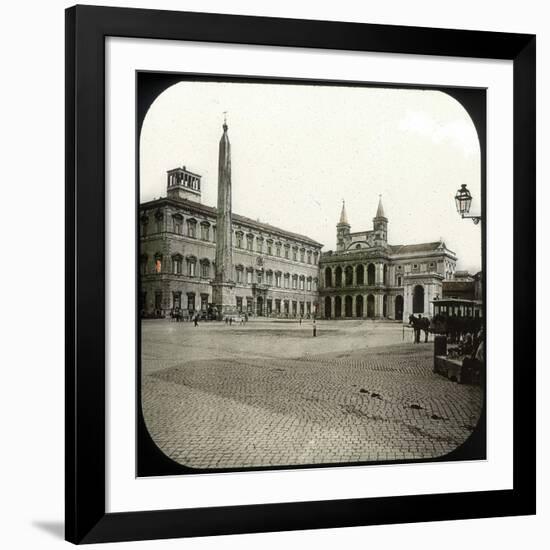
(195, 257)
(365, 277)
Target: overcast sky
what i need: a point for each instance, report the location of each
(297, 151)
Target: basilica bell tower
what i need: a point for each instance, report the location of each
(380, 226)
(343, 228)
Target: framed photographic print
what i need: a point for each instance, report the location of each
(300, 262)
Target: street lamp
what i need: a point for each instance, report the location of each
(463, 200)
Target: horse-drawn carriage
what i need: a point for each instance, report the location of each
(453, 317)
(456, 317)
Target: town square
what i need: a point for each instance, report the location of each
(308, 341)
(269, 393)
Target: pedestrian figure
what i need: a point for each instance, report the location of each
(246, 317)
(230, 321)
(226, 320)
(300, 321)
(314, 329)
(196, 319)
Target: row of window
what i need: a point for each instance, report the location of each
(275, 248)
(270, 278)
(345, 276)
(263, 307)
(207, 231)
(246, 242)
(277, 279)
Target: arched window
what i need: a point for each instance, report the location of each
(328, 307)
(349, 278)
(360, 274)
(250, 242)
(260, 245)
(177, 261)
(294, 282)
(349, 306)
(192, 228)
(159, 218)
(302, 282)
(418, 299)
(309, 284)
(338, 277)
(370, 275)
(177, 223)
(239, 239)
(359, 306)
(158, 262)
(205, 268)
(205, 231)
(328, 277)
(191, 266)
(239, 273)
(338, 306)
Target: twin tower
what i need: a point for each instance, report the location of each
(377, 238)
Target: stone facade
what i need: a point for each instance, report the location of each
(194, 256)
(368, 278)
(275, 272)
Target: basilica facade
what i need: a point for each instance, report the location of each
(197, 258)
(366, 277)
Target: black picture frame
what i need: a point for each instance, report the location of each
(85, 517)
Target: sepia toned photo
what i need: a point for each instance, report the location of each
(310, 267)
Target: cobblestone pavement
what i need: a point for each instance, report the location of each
(268, 394)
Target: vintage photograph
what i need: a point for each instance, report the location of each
(310, 272)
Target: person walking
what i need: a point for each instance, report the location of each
(196, 319)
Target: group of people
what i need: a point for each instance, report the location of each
(243, 319)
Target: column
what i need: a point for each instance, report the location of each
(379, 274)
(353, 301)
(354, 276)
(332, 304)
(380, 300)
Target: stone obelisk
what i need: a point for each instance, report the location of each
(223, 286)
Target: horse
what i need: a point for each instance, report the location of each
(419, 323)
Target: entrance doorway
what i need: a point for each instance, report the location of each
(370, 306)
(328, 308)
(359, 306)
(399, 308)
